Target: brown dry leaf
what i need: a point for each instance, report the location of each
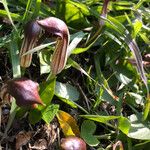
(41, 144)
(68, 124)
(23, 138)
(49, 132)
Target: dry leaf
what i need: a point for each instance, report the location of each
(68, 124)
(66, 128)
(50, 132)
(41, 144)
(23, 138)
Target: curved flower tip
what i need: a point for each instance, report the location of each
(25, 92)
(58, 28)
(31, 33)
(73, 142)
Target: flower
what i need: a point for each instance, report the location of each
(73, 143)
(31, 31)
(25, 91)
(52, 26)
(58, 28)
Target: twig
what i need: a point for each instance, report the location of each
(84, 96)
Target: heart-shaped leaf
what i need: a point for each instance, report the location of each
(67, 93)
(87, 130)
(139, 129)
(124, 124)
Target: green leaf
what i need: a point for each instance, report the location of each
(143, 145)
(4, 2)
(49, 113)
(68, 94)
(37, 8)
(27, 10)
(14, 53)
(138, 98)
(124, 124)
(137, 27)
(107, 94)
(88, 128)
(47, 91)
(123, 3)
(144, 36)
(124, 79)
(66, 91)
(35, 116)
(81, 50)
(77, 37)
(44, 57)
(140, 2)
(78, 67)
(14, 16)
(125, 72)
(84, 9)
(98, 118)
(116, 25)
(74, 16)
(139, 129)
(38, 48)
(113, 37)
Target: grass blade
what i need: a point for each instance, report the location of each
(8, 14)
(28, 6)
(14, 52)
(38, 48)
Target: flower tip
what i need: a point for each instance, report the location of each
(73, 142)
(25, 91)
(31, 33)
(35, 106)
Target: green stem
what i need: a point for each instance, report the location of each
(50, 77)
(138, 5)
(94, 37)
(147, 107)
(129, 143)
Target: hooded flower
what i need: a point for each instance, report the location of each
(25, 92)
